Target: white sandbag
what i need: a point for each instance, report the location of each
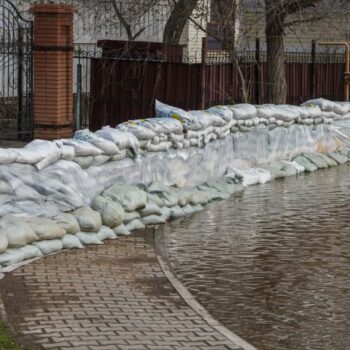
(46, 229)
(28, 156)
(175, 138)
(153, 220)
(131, 198)
(121, 230)
(122, 155)
(71, 242)
(188, 209)
(164, 125)
(67, 152)
(150, 209)
(123, 140)
(18, 231)
(81, 148)
(328, 106)
(99, 160)
(135, 225)
(309, 111)
(88, 238)
(197, 208)
(112, 213)
(5, 188)
(31, 252)
(161, 147)
(11, 257)
(206, 119)
(3, 241)
(177, 212)
(298, 167)
(154, 198)
(84, 162)
(288, 113)
(7, 156)
(200, 197)
(136, 128)
(89, 220)
(50, 152)
(165, 213)
(107, 147)
(243, 111)
(67, 221)
(50, 246)
(130, 216)
(106, 233)
(223, 111)
(250, 176)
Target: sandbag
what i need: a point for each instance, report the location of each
(11, 257)
(121, 230)
(7, 156)
(81, 148)
(304, 162)
(150, 209)
(135, 224)
(88, 219)
(3, 241)
(70, 241)
(188, 209)
(46, 229)
(330, 162)
(154, 198)
(67, 221)
(5, 188)
(223, 111)
(28, 156)
(164, 125)
(50, 246)
(317, 160)
(136, 128)
(18, 231)
(339, 158)
(177, 212)
(161, 147)
(243, 111)
(153, 220)
(197, 208)
(67, 152)
(99, 160)
(88, 238)
(251, 176)
(106, 233)
(200, 197)
(84, 162)
(31, 252)
(107, 147)
(112, 213)
(130, 216)
(165, 213)
(131, 198)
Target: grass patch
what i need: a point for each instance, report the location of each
(6, 340)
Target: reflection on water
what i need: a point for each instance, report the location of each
(274, 265)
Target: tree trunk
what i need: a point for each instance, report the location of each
(275, 70)
(177, 21)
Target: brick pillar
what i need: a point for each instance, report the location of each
(53, 76)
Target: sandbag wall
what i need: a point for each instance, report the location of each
(68, 194)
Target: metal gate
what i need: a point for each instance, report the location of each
(16, 73)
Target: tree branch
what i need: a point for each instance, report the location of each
(122, 20)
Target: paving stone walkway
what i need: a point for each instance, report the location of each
(114, 296)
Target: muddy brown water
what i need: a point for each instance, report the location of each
(273, 265)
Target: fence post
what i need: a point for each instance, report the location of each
(53, 76)
(313, 68)
(257, 71)
(78, 101)
(203, 73)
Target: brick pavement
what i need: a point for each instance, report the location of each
(114, 296)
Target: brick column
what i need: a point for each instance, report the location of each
(53, 76)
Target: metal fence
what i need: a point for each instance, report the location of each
(117, 88)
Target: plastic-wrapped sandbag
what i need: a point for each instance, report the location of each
(89, 220)
(289, 113)
(70, 241)
(329, 106)
(112, 213)
(136, 128)
(46, 229)
(121, 230)
(106, 233)
(136, 224)
(7, 156)
(11, 257)
(88, 238)
(206, 119)
(81, 148)
(50, 246)
(18, 231)
(153, 220)
(31, 252)
(122, 139)
(305, 163)
(309, 111)
(106, 146)
(131, 198)
(164, 126)
(243, 111)
(4, 243)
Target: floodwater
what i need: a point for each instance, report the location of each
(273, 265)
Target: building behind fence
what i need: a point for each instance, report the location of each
(116, 87)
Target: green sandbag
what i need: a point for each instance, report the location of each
(329, 160)
(316, 159)
(309, 167)
(338, 157)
